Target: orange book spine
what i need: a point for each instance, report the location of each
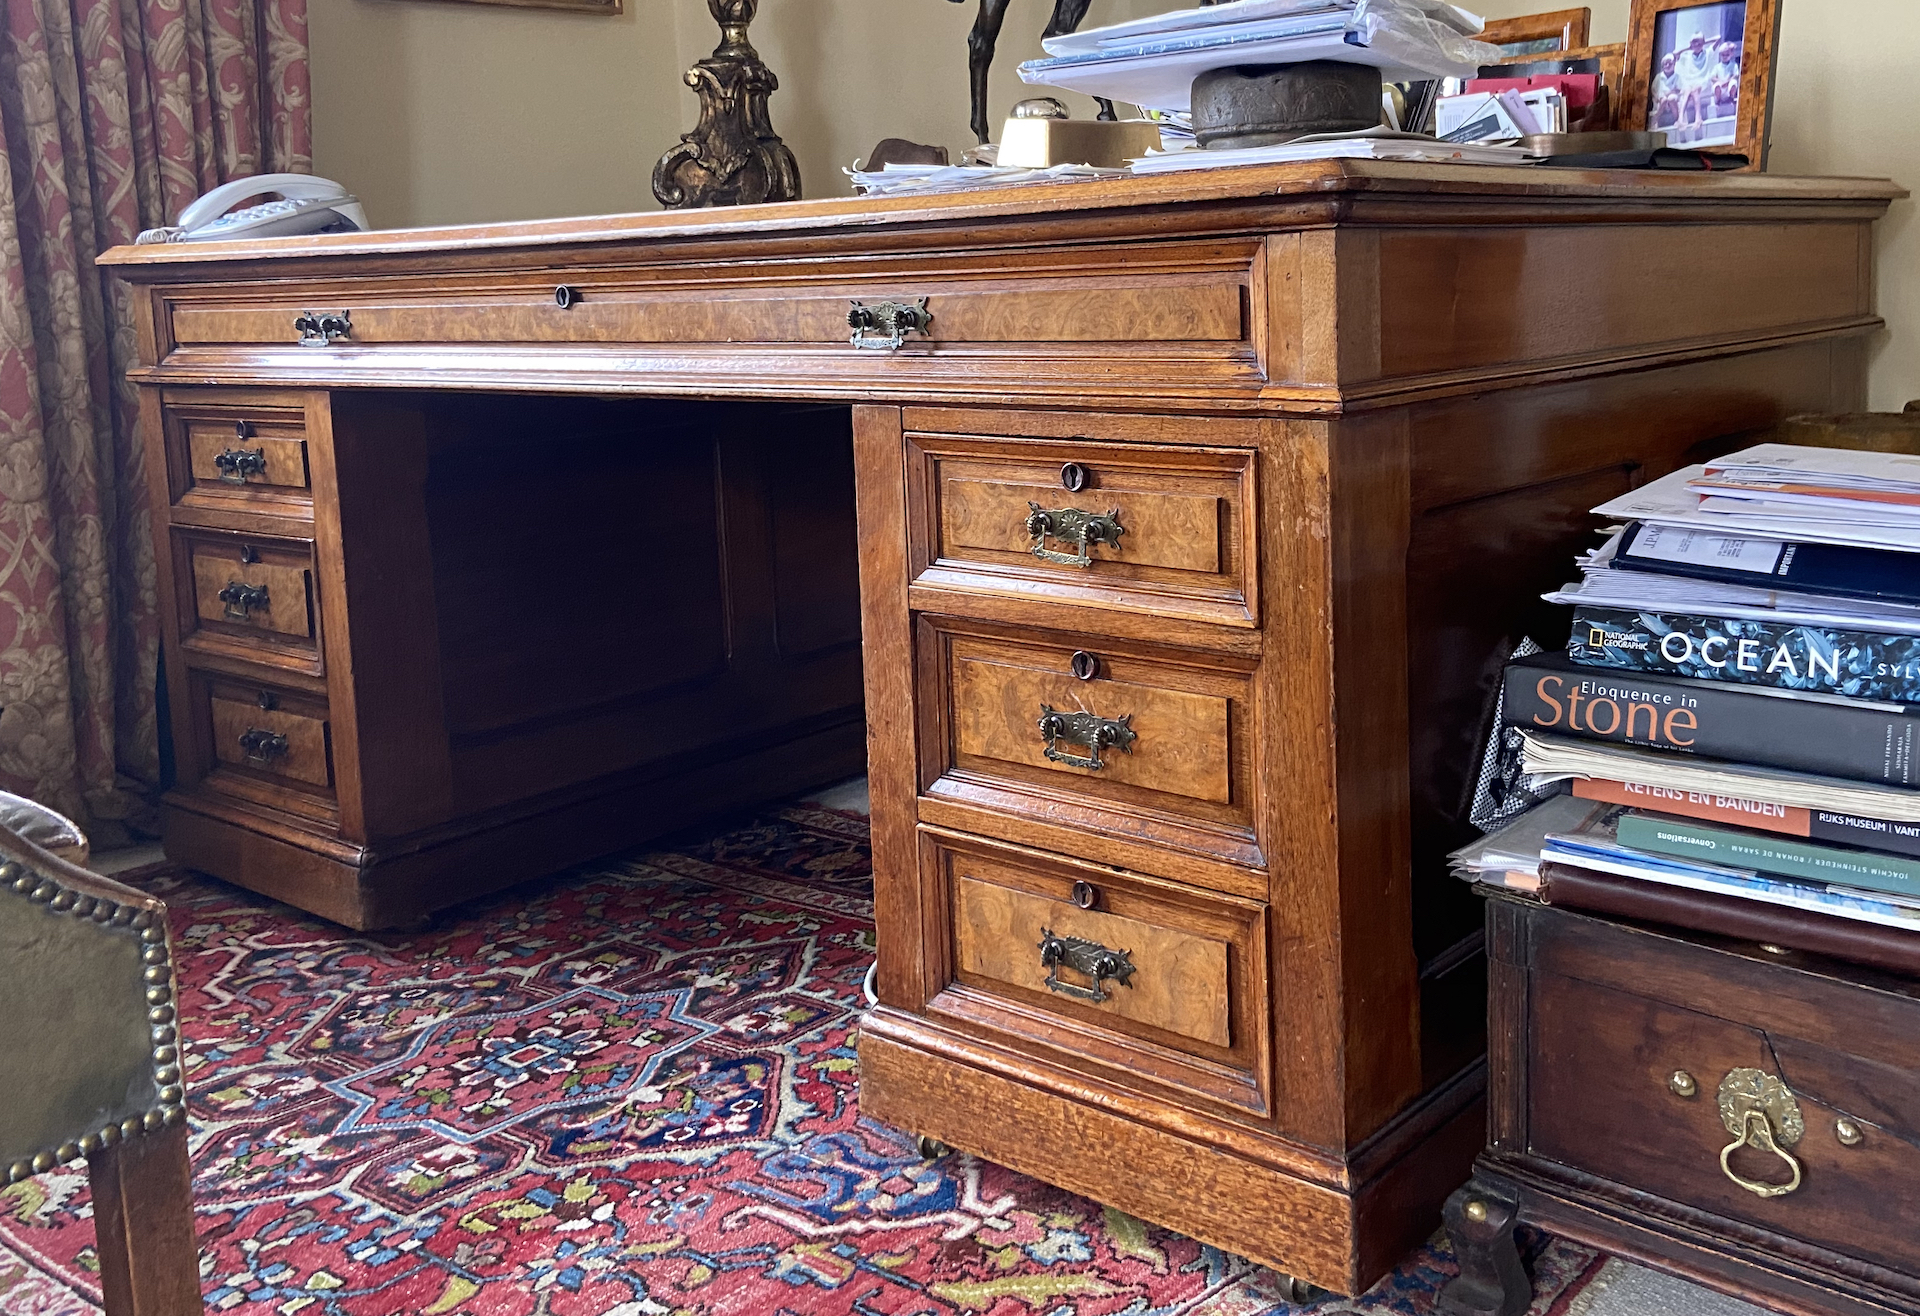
(1785, 819)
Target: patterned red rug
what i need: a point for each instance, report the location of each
(627, 1092)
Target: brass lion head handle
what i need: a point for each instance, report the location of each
(1760, 1112)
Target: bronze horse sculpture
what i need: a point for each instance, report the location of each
(1067, 15)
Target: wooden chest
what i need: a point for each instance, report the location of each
(1740, 1114)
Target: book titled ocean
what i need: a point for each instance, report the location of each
(1830, 660)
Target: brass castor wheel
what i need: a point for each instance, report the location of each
(1298, 1290)
(931, 1149)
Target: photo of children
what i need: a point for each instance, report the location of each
(1695, 96)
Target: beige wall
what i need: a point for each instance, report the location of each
(439, 112)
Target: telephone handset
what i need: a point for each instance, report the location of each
(310, 205)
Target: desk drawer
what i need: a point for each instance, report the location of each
(1123, 969)
(1141, 527)
(1137, 742)
(1156, 293)
(248, 597)
(263, 742)
(1632, 1079)
(233, 451)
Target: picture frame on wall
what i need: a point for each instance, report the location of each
(1702, 72)
(1535, 36)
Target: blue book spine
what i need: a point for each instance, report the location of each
(1828, 660)
(1844, 572)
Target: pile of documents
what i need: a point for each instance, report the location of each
(953, 178)
(1370, 144)
(1152, 62)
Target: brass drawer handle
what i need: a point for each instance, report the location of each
(1084, 957)
(1760, 1112)
(1095, 732)
(320, 328)
(236, 464)
(241, 599)
(884, 326)
(1071, 525)
(262, 747)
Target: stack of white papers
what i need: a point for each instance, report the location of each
(1881, 488)
(1152, 62)
(953, 178)
(1372, 144)
(1677, 500)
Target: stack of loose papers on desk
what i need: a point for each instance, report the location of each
(1152, 62)
(1371, 144)
(896, 178)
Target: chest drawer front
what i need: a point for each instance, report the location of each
(232, 451)
(1150, 737)
(1117, 968)
(1153, 528)
(290, 743)
(249, 598)
(1603, 1097)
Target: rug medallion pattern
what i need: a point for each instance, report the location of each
(631, 1091)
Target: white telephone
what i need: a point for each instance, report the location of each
(310, 205)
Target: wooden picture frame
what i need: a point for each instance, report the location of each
(574, 6)
(1746, 129)
(1536, 36)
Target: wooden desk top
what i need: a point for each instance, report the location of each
(1333, 190)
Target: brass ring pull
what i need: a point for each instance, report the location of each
(1072, 525)
(1760, 1112)
(1083, 957)
(241, 598)
(1094, 732)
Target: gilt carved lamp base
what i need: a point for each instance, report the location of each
(732, 157)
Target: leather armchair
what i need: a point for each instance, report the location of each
(90, 1067)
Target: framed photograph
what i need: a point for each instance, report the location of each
(1702, 73)
(1532, 36)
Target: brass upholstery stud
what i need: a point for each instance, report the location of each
(9, 871)
(43, 1162)
(83, 907)
(109, 1135)
(64, 901)
(19, 1170)
(153, 1121)
(143, 920)
(166, 1074)
(151, 935)
(123, 916)
(156, 995)
(1849, 1133)
(158, 973)
(172, 1093)
(44, 892)
(24, 882)
(68, 1151)
(173, 1115)
(165, 1055)
(160, 1014)
(165, 1036)
(1682, 1083)
(103, 911)
(130, 1127)
(1476, 1211)
(154, 955)
(90, 1144)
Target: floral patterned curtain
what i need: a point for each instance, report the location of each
(113, 115)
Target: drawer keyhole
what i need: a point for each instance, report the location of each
(1084, 895)
(1084, 665)
(1073, 477)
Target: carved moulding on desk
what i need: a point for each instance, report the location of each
(732, 157)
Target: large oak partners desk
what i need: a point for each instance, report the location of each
(1190, 529)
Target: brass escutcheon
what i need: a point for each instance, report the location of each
(241, 599)
(236, 464)
(884, 326)
(320, 328)
(1088, 729)
(262, 747)
(1084, 957)
(1760, 1112)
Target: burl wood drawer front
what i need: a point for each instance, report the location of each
(1144, 743)
(268, 744)
(1148, 528)
(1111, 967)
(1171, 293)
(238, 452)
(1637, 1090)
(250, 598)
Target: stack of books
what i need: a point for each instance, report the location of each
(1735, 709)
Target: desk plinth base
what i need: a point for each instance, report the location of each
(1339, 1223)
(401, 883)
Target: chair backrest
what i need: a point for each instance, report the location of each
(89, 1043)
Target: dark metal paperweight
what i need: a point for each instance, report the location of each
(1265, 104)
(733, 156)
